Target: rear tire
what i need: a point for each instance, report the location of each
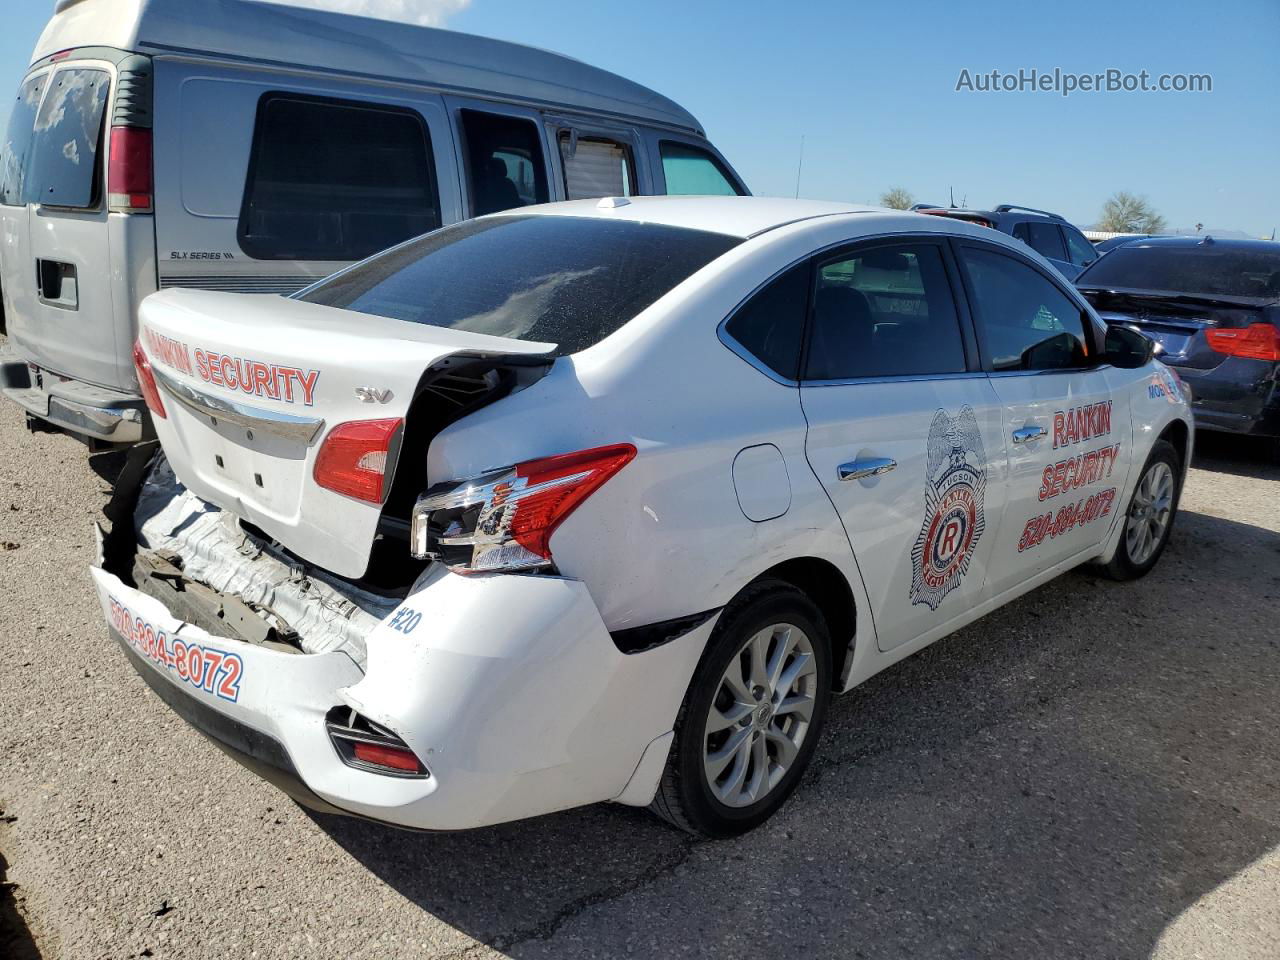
(752, 716)
(1149, 515)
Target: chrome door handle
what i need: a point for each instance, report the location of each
(1027, 434)
(861, 469)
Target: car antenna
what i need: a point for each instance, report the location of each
(799, 166)
(953, 197)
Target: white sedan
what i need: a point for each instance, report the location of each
(603, 501)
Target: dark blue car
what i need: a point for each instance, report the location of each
(1213, 309)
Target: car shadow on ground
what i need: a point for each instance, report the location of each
(1063, 778)
(1238, 456)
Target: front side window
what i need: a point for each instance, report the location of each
(62, 168)
(770, 325)
(336, 180)
(884, 312)
(1043, 238)
(693, 172)
(596, 167)
(17, 141)
(1026, 321)
(1079, 249)
(570, 281)
(504, 162)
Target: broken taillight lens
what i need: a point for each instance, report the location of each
(147, 381)
(504, 520)
(356, 458)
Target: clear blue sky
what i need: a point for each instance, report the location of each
(871, 86)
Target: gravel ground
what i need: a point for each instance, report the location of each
(1092, 771)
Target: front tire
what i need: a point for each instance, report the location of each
(752, 717)
(1150, 514)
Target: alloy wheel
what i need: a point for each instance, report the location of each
(760, 715)
(1149, 513)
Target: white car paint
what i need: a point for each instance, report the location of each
(512, 690)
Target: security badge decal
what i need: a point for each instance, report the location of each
(955, 481)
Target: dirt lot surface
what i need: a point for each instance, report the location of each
(1093, 771)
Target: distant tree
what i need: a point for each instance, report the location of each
(1126, 213)
(897, 199)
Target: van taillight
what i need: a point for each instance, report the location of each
(147, 380)
(1258, 341)
(129, 180)
(356, 456)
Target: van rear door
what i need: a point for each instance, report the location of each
(17, 280)
(63, 316)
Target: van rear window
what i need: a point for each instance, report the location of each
(570, 281)
(53, 147)
(336, 180)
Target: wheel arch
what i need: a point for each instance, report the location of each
(1178, 434)
(823, 583)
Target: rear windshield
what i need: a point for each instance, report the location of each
(570, 281)
(1202, 269)
(53, 144)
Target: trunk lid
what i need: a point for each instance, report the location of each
(1178, 322)
(253, 384)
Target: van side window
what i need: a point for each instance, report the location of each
(504, 162)
(596, 167)
(1026, 321)
(690, 171)
(17, 141)
(336, 180)
(63, 168)
(770, 324)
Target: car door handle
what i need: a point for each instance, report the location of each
(861, 469)
(1027, 434)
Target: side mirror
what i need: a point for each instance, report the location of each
(1128, 349)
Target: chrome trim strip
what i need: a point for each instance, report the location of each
(285, 425)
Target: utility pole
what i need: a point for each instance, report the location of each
(800, 166)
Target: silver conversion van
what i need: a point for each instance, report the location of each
(252, 147)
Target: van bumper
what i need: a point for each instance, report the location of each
(81, 409)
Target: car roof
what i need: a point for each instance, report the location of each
(735, 216)
(337, 42)
(1259, 246)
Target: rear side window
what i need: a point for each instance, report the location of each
(1026, 321)
(694, 172)
(336, 180)
(1043, 238)
(596, 167)
(62, 168)
(770, 325)
(570, 281)
(884, 312)
(504, 162)
(17, 141)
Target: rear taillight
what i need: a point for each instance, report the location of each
(129, 180)
(355, 458)
(147, 381)
(504, 519)
(1258, 341)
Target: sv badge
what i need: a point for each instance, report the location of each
(373, 395)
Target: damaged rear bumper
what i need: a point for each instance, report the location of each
(508, 689)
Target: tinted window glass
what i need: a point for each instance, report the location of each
(1043, 238)
(570, 281)
(1028, 323)
(1079, 249)
(17, 141)
(885, 312)
(694, 172)
(62, 169)
(1203, 268)
(333, 180)
(770, 324)
(504, 161)
(596, 167)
